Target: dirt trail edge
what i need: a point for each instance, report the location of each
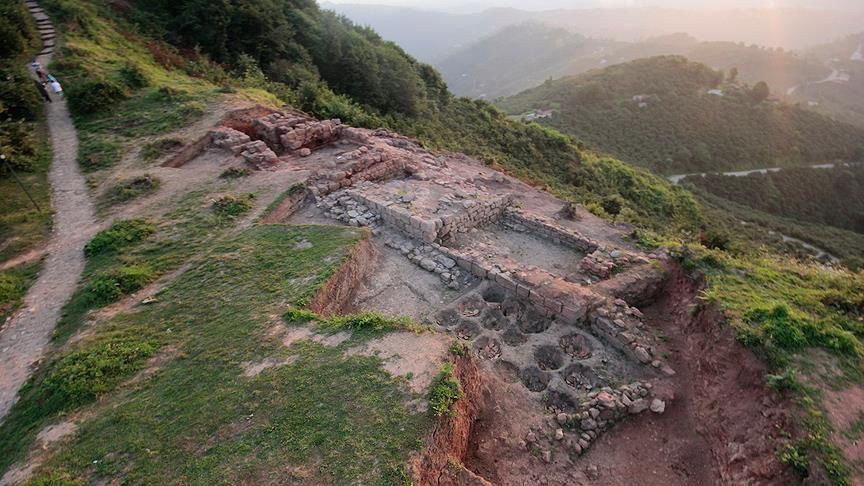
(24, 338)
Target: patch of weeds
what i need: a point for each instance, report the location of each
(794, 332)
(235, 173)
(160, 148)
(85, 374)
(445, 391)
(14, 283)
(784, 381)
(231, 206)
(296, 315)
(120, 234)
(856, 428)
(110, 286)
(131, 189)
(459, 348)
(363, 323)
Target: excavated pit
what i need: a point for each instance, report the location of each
(562, 360)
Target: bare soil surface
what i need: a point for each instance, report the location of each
(24, 338)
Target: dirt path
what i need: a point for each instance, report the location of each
(25, 337)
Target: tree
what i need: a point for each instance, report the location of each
(760, 92)
(733, 74)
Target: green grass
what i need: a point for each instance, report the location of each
(231, 205)
(22, 227)
(120, 234)
(14, 283)
(445, 391)
(367, 324)
(325, 418)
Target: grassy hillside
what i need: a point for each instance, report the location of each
(658, 113)
(23, 141)
(159, 389)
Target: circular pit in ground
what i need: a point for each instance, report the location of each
(534, 379)
(549, 357)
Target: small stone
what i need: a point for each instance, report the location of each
(658, 406)
(642, 355)
(606, 400)
(562, 418)
(428, 264)
(304, 152)
(547, 456)
(559, 434)
(593, 412)
(576, 448)
(585, 436)
(584, 444)
(656, 363)
(615, 254)
(588, 424)
(638, 406)
(353, 214)
(668, 371)
(531, 438)
(593, 472)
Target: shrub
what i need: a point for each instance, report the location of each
(84, 374)
(159, 148)
(120, 234)
(110, 286)
(235, 173)
(232, 206)
(612, 205)
(445, 391)
(133, 77)
(93, 95)
(133, 188)
(11, 288)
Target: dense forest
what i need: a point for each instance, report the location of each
(20, 104)
(833, 197)
(676, 116)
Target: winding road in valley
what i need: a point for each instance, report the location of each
(24, 339)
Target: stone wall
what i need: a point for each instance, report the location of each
(284, 132)
(255, 152)
(518, 220)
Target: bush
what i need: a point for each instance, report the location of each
(11, 288)
(133, 188)
(93, 95)
(84, 374)
(110, 286)
(159, 148)
(231, 206)
(235, 173)
(133, 77)
(120, 234)
(445, 391)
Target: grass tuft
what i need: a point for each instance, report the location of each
(119, 235)
(445, 391)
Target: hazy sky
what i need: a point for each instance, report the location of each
(475, 5)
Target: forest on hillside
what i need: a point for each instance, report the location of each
(672, 115)
(833, 197)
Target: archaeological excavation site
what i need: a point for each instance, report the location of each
(585, 359)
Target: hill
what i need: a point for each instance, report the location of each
(672, 115)
(207, 339)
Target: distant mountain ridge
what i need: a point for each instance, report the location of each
(430, 36)
(520, 57)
